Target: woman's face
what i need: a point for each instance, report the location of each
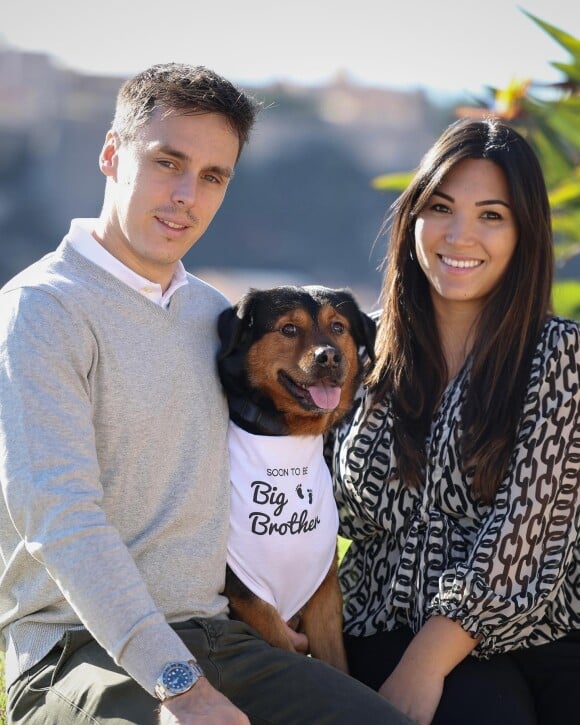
(466, 234)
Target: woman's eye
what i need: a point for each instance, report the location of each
(337, 328)
(289, 330)
(440, 207)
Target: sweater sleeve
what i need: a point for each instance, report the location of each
(516, 569)
(51, 482)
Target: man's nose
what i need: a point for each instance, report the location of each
(185, 191)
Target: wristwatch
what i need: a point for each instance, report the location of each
(177, 678)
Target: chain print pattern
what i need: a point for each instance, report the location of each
(508, 572)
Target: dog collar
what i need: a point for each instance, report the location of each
(254, 419)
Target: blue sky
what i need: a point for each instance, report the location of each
(449, 45)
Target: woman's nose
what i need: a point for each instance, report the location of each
(460, 230)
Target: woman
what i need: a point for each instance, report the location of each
(457, 474)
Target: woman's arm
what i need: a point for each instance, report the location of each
(513, 579)
(416, 684)
(515, 582)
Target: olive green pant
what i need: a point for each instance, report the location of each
(78, 683)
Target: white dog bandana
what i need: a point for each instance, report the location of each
(283, 521)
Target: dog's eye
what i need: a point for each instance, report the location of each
(289, 330)
(337, 328)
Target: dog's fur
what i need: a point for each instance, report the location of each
(275, 344)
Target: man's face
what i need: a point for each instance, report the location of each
(163, 189)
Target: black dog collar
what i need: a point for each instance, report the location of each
(254, 419)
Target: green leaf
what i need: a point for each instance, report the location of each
(567, 193)
(564, 118)
(552, 152)
(567, 41)
(566, 296)
(572, 71)
(393, 182)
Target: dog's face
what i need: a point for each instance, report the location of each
(294, 351)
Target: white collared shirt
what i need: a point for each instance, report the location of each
(81, 238)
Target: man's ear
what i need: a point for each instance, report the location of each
(109, 154)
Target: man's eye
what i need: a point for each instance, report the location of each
(337, 328)
(166, 163)
(289, 330)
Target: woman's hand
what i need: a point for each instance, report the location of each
(416, 684)
(415, 694)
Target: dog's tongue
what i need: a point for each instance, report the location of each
(325, 396)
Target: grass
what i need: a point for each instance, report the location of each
(566, 303)
(2, 691)
(343, 545)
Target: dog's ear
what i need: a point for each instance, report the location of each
(365, 333)
(235, 324)
(229, 328)
(364, 328)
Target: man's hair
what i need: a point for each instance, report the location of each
(183, 89)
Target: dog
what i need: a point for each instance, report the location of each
(290, 362)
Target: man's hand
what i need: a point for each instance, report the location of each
(298, 639)
(202, 704)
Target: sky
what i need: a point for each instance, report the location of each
(447, 46)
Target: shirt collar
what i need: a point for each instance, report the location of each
(81, 238)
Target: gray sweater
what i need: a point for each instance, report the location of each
(113, 464)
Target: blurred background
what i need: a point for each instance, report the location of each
(353, 95)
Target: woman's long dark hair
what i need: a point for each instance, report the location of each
(410, 368)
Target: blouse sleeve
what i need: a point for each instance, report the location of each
(516, 579)
(372, 502)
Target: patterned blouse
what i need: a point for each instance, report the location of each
(508, 572)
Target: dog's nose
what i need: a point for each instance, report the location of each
(327, 356)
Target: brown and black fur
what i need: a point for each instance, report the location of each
(274, 344)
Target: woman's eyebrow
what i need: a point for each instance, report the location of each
(484, 202)
(492, 201)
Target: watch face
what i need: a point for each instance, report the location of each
(178, 677)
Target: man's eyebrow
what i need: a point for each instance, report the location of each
(224, 171)
(483, 202)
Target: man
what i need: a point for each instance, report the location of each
(113, 454)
